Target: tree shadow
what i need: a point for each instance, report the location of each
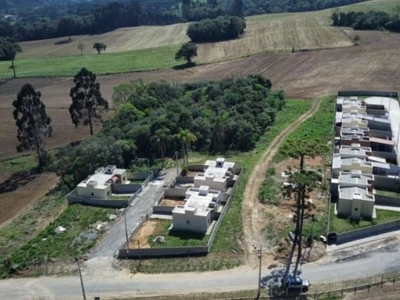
(63, 42)
(184, 66)
(16, 180)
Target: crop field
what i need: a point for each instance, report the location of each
(279, 35)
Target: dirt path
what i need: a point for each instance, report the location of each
(253, 212)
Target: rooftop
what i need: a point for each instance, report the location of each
(199, 201)
(355, 177)
(102, 177)
(355, 193)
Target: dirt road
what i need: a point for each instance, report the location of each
(253, 212)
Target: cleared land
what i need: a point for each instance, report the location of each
(22, 190)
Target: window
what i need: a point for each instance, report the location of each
(355, 209)
(108, 193)
(92, 194)
(188, 222)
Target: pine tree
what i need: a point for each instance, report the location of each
(32, 122)
(87, 102)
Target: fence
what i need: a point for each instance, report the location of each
(123, 252)
(391, 94)
(367, 232)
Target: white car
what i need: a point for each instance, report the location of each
(295, 282)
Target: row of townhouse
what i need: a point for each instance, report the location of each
(364, 154)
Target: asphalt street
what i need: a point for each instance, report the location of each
(363, 260)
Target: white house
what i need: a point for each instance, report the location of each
(99, 185)
(197, 212)
(356, 202)
(215, 175)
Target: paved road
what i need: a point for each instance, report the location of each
(362, 260)
(116, 235)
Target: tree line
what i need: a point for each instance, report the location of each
(152, 121)
(218, 29)
(373, 20)
(77, 18)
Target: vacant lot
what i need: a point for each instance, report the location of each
(21, 190)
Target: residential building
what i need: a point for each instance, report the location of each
(197, 212)
(99, 185)
(216, 174)
(356, 202)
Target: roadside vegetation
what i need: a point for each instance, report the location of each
(50, 245)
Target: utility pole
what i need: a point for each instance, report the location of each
(176, 162)
(80, 276)
(126, 231)
(259, 256)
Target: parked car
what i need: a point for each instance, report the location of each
(295, 282)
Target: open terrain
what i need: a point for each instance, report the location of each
(375, 64)
(21, 190)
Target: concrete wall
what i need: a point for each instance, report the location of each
(389, 156)
(175, 192)
(184, 180)
(387, 183)
(126, 188)
(197, 168)
(99, 192)
(163, 252)
(73, 198)
(140, 175)
(367, 232)
(387, 201)
(163, 210)
(386, 135)
(391, 94)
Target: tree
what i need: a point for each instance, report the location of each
(185, 137)
(87, 102)
(99, 47)
(81, 47)
(32, 122)
(187, 51)
(8, 51)
(356, 40)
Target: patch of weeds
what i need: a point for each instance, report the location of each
(270, 192)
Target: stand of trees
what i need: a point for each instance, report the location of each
(215, 30)
(67, 18)
(155, 120)
(373, 20)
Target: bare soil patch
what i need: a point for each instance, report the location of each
(172, 202)
(21, 191)
(140, 240)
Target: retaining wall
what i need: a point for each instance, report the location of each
(163, 252)
(163, 210)
(387, 183)
(175, 192)
(353, 235)
(126, 188)
(98, 202)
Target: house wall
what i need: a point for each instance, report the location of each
(366, 169)
(344, 207)
(214, 185)
(93, 192)
(191, 222)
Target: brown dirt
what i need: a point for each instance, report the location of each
(140, 238)
(21, 191)
(388, 291)
(172, 202)
(253, 212)
(301, 75)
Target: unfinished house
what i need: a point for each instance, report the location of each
(197, 213)
(364, 149)
(216, 175)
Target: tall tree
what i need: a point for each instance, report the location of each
(87, 102)
(186, 138)
(32, 122)
(8, 51)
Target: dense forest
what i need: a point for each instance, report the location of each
(154, 120)
(40, 19)
(373, 20)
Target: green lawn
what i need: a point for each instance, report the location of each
(342, 225)
(176, 238)
(19, 163)
(105, 63)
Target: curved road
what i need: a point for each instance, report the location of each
(358, 261)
